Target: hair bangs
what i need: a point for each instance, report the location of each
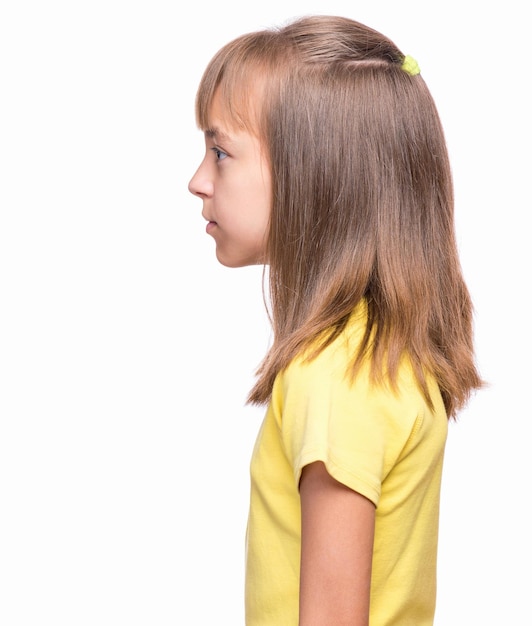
(237, 74)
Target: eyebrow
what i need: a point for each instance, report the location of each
(216, 133)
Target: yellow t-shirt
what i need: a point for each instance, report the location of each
(387, 445)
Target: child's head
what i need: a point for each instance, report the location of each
(357, 187)
(356, 152)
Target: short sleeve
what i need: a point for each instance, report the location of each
(357, 429)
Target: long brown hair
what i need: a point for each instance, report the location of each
(362, 200)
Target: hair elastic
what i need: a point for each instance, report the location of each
(410, 65)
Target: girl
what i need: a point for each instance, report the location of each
(326, 162)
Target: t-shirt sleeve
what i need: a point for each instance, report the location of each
(354, 427)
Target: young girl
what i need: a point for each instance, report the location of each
(326, 162)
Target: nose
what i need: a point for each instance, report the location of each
(201, 183)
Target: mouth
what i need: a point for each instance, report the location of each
(210, 226)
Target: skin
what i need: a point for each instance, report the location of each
(234, 183)
(337, 530)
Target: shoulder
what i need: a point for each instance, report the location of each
(324, 384)
(357, 427)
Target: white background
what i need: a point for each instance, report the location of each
(126, 351)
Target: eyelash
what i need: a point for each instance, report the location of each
(219, 154)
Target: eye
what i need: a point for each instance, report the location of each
(220, 154)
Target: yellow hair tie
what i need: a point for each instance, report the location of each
(410, 65)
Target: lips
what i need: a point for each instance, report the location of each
(210, 226)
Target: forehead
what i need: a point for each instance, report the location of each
(223, 115)
(232, 109)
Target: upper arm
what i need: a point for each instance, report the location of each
(337, 528)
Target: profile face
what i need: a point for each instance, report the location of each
(234, 182)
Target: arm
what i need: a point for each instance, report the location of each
(337, 527)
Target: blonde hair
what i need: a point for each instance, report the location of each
(362, 200)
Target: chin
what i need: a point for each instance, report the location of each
(234, 263)
(228, 261)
